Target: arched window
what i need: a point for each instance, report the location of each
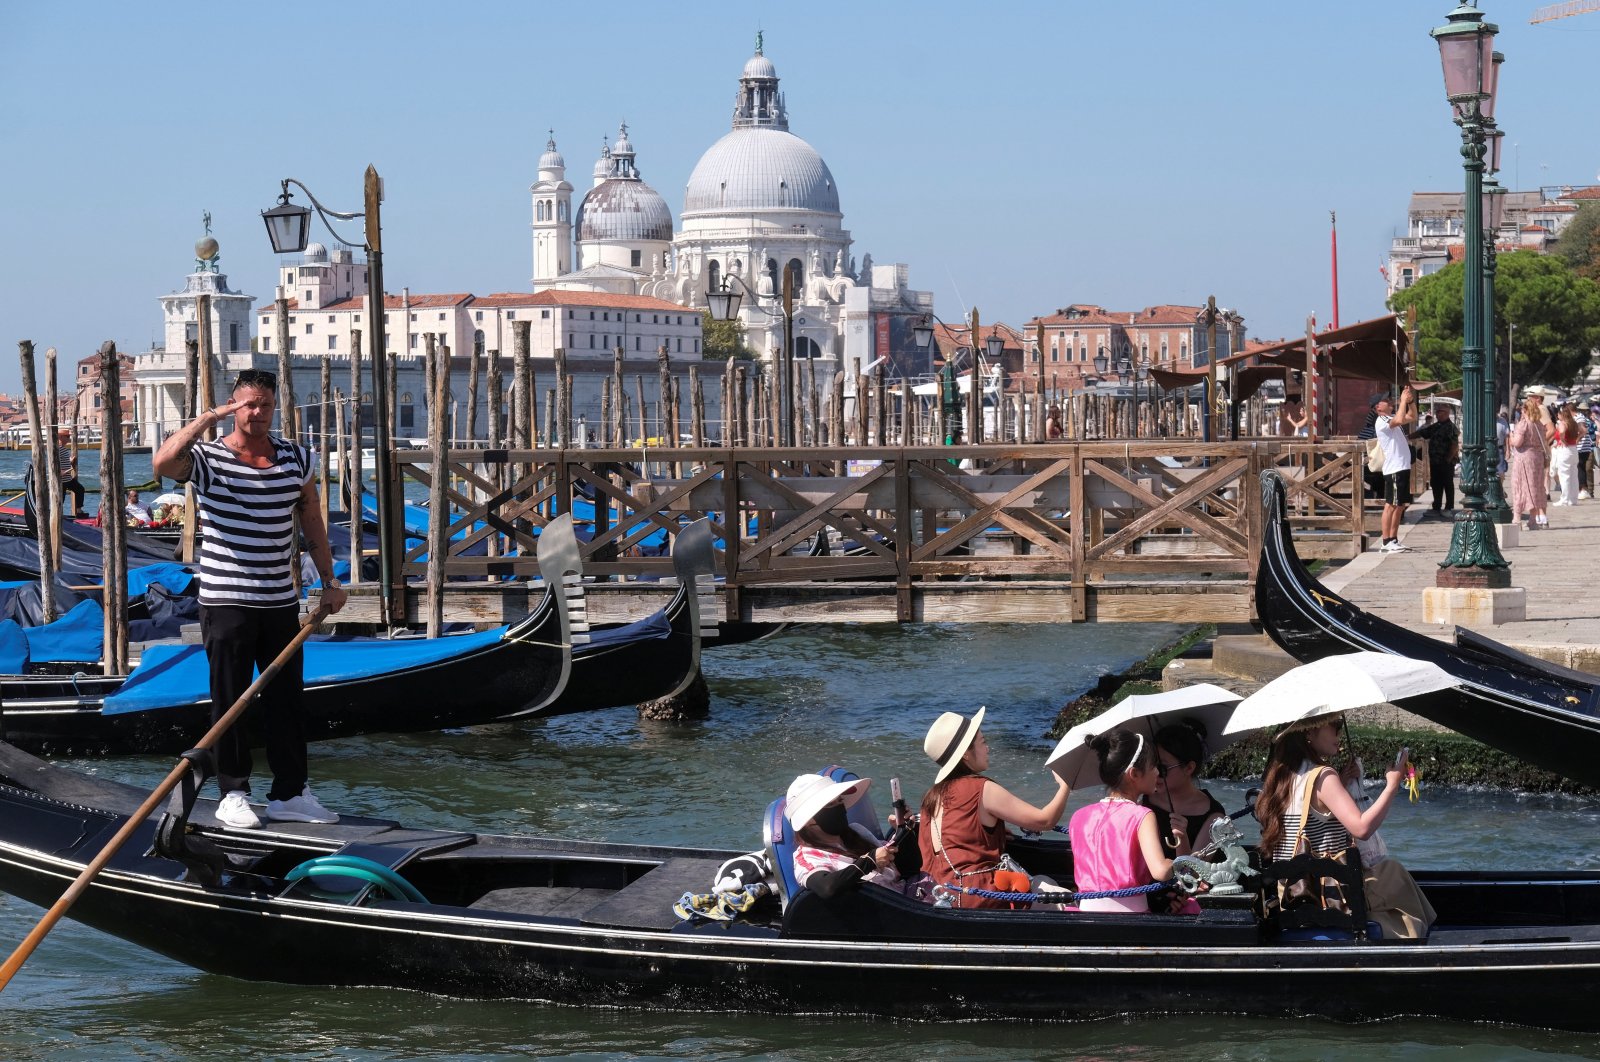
(713, 276)
(477, 341)
(797, 274)
(538, 210)
(772, 275)
(561, 210)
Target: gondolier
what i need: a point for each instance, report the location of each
(249, 486)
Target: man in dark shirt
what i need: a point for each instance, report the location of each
(1444, 446)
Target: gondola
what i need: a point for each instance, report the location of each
(352, 685)
(1543, 713)
(653, 658)
(371, 903)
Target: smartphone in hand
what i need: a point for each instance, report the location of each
(1401, 757)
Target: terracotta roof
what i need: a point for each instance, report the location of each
(602, 298)
(1089, 316)
(1591, 192)
(956, 335)
(504, 298)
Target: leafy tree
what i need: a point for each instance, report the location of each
(1580, 241)
(1556, 311)
(723, 340)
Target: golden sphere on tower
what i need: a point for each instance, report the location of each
(206, 248)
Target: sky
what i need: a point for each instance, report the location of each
(1018, 157)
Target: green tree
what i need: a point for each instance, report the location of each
(1556, 312)
(1580, 241)
(723, 340)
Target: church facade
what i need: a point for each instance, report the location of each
(760, 204)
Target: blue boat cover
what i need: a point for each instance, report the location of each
(74, 638)
(653, 627)
(173, 675)
(13, 649)
(173, 576)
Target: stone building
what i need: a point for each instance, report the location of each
(1165, 336)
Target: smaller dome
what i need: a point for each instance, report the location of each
(315, 252)
(759, 66)
(624, 209)
(551, 159)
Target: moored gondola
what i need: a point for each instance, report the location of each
(1542, 713)
(656, 657)
(367, 902)
(352, 685)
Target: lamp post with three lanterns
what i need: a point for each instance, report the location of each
(724, 306)
(994, 346)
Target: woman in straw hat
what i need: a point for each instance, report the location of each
(964, 815)
(829, 854)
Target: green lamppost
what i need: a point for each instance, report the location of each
(1466, 49)
(1494, 202)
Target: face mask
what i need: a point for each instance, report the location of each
(833, 819)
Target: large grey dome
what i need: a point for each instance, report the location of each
(761, 168)
(624, 209)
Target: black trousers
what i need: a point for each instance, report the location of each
(238, 641)
(74, 488)
(1586, 470)
(1441, 477)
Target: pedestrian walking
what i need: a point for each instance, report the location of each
(1585, 452)
(1444, 448)
(1526, 447)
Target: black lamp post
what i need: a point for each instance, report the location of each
(1466, 50)
(289, 227)
(1494, 199)
(994, 347)
(724, 306)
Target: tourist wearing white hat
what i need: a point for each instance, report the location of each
(964, 815)
(829, 853)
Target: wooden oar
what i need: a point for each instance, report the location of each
(153, 801)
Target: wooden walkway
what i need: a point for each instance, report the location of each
(1078, 532)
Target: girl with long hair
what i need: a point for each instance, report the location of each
(1180, 753)
(1564, 438)
(1525, 450)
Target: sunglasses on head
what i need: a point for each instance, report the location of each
(257, 378)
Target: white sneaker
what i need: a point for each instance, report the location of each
(1583, 495)
(303, 808)
(234, 810)
(1394, 547)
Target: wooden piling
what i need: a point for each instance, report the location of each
(113, 528)
(474, 370)
(644, 411)
(619, 412)
(208, 383)
(43, 454)
(560, 432)
(495, 385)
(664, 390)
(288, 415)
(355, 485)
(697, 409)
(324, 406)
(438, 507)
(549, 417)
(521, 387)
(48, 500)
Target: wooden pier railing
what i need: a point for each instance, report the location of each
(1076, 532)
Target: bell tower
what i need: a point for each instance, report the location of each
(552, 217)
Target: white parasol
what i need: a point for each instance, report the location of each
(1336, 684)
(1210, 705)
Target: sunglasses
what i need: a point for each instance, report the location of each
(1163, 768)
(257, 378)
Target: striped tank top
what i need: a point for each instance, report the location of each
(1324, 833)
(247, 523)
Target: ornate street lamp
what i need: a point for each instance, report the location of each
(723, 303)
(1101, 363)
(1494, 204)
(288, 228)
(1466, 51)
(993, 347)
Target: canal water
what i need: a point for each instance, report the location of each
(861, 696)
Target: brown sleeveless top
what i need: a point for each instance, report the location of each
(969, 848)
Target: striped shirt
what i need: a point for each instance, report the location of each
(64, 462)
(247, 523)
(1324, 833)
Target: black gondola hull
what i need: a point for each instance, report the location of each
(1547, 715)
(527, 667)
(873, 953)
(632, 672)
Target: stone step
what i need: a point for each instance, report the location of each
(1254, 657)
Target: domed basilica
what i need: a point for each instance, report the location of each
(760, 200)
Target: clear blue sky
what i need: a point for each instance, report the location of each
(1018, 156)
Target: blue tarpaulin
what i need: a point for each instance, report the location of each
(171, 675)
(13, 648)
(74, 638)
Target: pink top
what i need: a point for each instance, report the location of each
(1106, 853)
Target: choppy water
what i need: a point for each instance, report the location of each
(862, 696)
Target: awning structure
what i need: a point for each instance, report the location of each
(1377, 350)
(1173, 380)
